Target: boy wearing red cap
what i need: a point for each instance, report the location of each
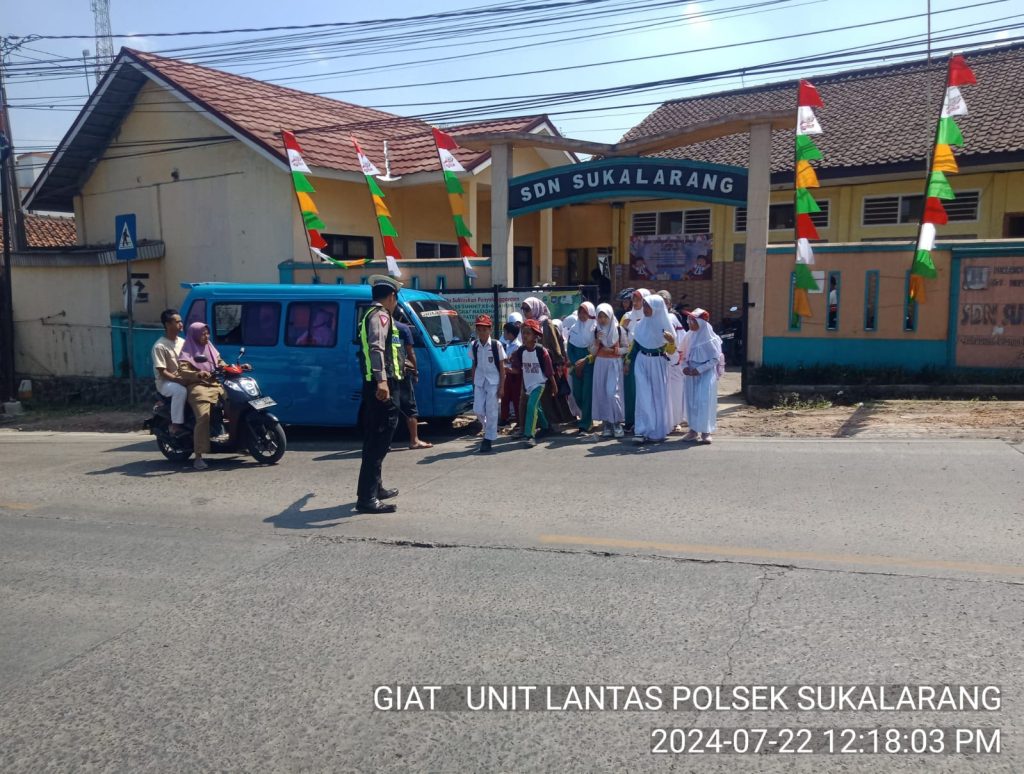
(488, 379)
(534, 363)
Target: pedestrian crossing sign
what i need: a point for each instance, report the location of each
(127, 242)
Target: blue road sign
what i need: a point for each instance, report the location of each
(127, 242)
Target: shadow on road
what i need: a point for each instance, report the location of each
(626, 446)
(293, 517)
(137, 446)
(347, 454)
(143, 469)
(160, 467)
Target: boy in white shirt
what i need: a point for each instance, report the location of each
(488, 379)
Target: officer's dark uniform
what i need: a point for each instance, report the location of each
(382, 356)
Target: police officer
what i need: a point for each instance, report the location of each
(382, 358)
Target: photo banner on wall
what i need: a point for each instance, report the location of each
(665, 257)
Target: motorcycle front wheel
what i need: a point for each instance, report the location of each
(266, 441)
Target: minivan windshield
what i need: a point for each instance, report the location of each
(443, 324)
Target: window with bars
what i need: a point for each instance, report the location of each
(645, 223)
(965, 206)
(898, 210)
(891, 210)
(672, 222)
(781, 217)
(345, 247)
(437, 250)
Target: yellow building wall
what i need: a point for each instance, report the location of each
(219, 208)
(853, 266)
(62, 321)
(1000, 192)
(420, 213)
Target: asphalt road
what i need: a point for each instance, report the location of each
(156, 619)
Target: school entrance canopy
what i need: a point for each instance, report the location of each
(630, 179)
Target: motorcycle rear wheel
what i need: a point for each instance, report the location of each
(266, 442)
(172, 452)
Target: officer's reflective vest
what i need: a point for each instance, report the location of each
(393, 368)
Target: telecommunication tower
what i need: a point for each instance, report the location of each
(104, 38)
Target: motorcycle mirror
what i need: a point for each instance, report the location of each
(199, 358)
(240, 353)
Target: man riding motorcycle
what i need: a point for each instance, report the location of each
(165, 354)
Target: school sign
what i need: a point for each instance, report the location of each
(627, 177)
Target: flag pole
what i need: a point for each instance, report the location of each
(460, 240)
(796, 236)
(929, 160)
(309, 245)
(369, 174)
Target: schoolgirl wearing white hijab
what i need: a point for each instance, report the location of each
(580, 337)
(653, 342)
(676, 379)
(703, 356)
(629, 322)
(606, 349)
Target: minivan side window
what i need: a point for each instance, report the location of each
(196, 313)
(250, 323)
(311, 325)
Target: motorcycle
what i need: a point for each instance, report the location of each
(249, 426)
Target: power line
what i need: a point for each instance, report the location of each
(481, 10)
(626, 60)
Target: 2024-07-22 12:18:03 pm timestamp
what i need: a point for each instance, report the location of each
(837, 741)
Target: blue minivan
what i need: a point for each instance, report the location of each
(303, 343)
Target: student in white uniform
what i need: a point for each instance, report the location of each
(534, 363)
(630, 320)
(703, 364)
(607, 351)
(676, 416)
(488, 380)
(511, 339)
(653, 343)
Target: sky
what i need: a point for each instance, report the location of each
(677, 33)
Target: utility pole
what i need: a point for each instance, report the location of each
(13, 235)
(6, 296)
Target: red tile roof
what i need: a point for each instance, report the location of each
(322, 125)
(873, 118)
(46, 231)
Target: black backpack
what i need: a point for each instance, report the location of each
(494, 351)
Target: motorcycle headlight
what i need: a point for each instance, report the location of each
(248, 384)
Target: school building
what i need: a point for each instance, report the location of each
(196, 154)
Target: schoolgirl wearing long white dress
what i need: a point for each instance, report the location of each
(629, 322)
(676, 412)
(653, 343)
(703, 367)
(607, 350)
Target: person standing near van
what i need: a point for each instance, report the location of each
(382, 358)
(407, 388)
(488, 379)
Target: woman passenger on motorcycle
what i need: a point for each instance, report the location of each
(197, 365)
